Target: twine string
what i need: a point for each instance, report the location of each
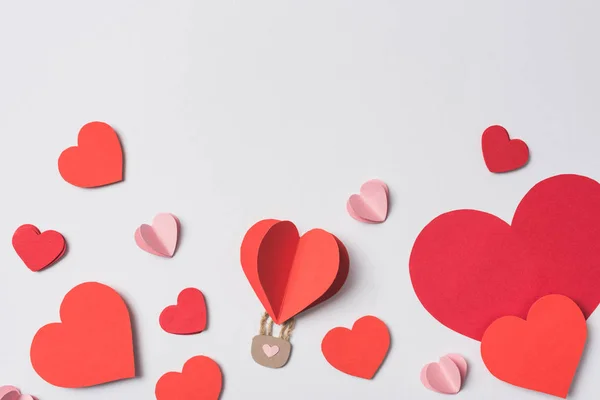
(266, 327)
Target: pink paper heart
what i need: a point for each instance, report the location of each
(12, 393)
(7, 392)
(371, 205)
(270, 351)
(161, 238)
(445, 376)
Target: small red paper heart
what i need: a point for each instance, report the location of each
(360, 351)
(500, 153)
(188, 316)
(200, 379)
(38, 250)
(97, 160)
(541, 353)
(93, 343)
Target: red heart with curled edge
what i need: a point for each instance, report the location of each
(291, 273)
(38, 249)
(469, 268)
(500, 152)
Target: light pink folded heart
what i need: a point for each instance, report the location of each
(446, 376)
(6, 390)
(371, 205)
(161, 238)
(12, 393)
(270, 351)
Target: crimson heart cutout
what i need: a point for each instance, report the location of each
(188, 316)
(200, 379)
(469, 268)
(38, 250)
(500, 152)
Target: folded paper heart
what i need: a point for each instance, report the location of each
(97, 160)
(291, 273)
(541, 353)
(188, 316)
(93, 343)
(12, 393)
(161, 237)
(500, 153)
(446, 376)
(200, 379)
(38, 250)
(358, 352)
(469, 268)
(371, 205)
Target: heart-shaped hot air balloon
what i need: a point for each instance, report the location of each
(290, 273)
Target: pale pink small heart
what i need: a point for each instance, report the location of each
(270, 351)
(6, 390)
(371, 205)
(446, 376)
(161, 237)
(12, 393)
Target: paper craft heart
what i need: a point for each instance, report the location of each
(200, 379)
(12, 393)
(270, 351)
(188, 316)
(469, 268)
(93, 343)
(500, 153)
(360, 351)
(371, 205)
(97, 160)
(38, 250)
(161, 238)
(290, 273)
(541, 353)
(446, 376)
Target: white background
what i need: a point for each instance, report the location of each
(234, 111)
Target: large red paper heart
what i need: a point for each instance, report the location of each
(97, 160)
(469, 268)
(541, 353)
(38, 250)
(93, 343)
(290, 273)
(360, 351)
(500, 152)
(200, 379)
(188, 316)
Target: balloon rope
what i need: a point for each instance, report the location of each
(287, 328)
(266, 327)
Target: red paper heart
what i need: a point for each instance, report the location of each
(93, 343)
(188, 316)
(541, 353)
(38, 250)
(200, 379)
(469, 268)
(360, 351)
(500, 152)
(97, 160)
(290, 273)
